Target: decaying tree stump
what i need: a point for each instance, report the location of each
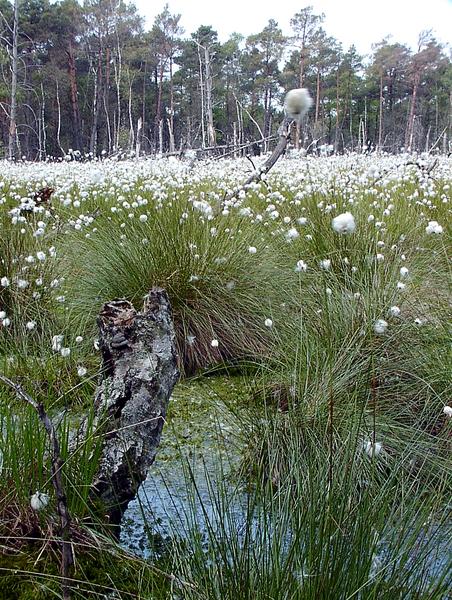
(139, 372)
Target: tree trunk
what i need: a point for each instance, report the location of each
(72, 72)
(336, 132)
(302, 61)
(172, 145)
(106, 97)
(96, 103)
(13, 106)
(43, 131)
(317, 108)
(139, 137)
(161, 136)
(143, 105)
(412, 116)
(158, 112)
(139, 371)
(58, 131)
(118, 77)
(209, 107)
(201, 89)
(131, 130)
(380, 122)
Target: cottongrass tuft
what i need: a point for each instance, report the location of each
(301, 267)
(433, 227)
(297, 103)
(394, 311)
(344, 223)
(372, 448)
(39, 501)
(380, 326)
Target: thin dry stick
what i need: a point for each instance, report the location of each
(243, 146)
(249, 114)
(67, 558)
(439, 138)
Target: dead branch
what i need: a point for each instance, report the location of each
(284, 137)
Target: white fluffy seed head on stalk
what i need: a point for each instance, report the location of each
(297, 103)
(39, 501)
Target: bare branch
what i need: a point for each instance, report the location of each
(284, 136)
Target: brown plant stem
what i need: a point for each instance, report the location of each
(67, 558)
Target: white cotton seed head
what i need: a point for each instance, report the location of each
(292, 234)
(380, 326)
(214, 343)
(57, 341)
(268, 323)
(301, 267)
(297, 103)
(344, 223)
(372, 449)
(447, 410)
(39, 501)
(394, 311)
(433, 227)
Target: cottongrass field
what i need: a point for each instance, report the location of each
(323, 289)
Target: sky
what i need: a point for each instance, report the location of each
(359, 22)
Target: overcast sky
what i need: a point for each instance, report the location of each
(358, 22)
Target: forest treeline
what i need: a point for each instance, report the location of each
(89, 77)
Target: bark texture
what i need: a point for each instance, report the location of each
(139, 373)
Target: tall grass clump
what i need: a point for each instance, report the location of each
(25, 276)
(222, 276)
(31, 300)
(356, 530)
(370, 331)
(25, 468)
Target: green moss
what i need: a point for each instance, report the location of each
(30, 576)
(22, 579)
(198, 407)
